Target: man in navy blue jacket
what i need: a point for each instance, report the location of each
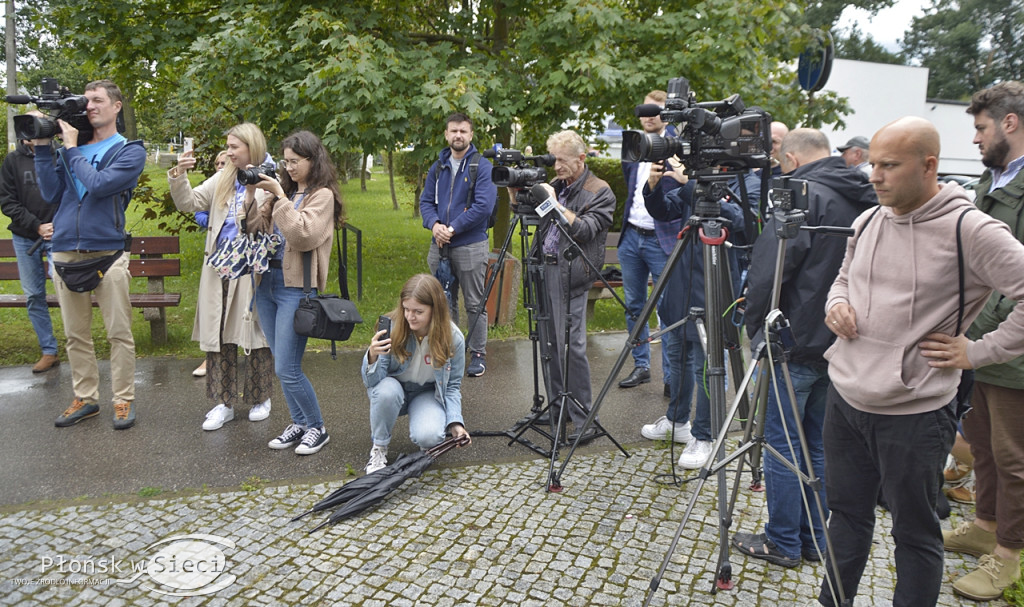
(455, 206)
(91, 183)
(644, 247)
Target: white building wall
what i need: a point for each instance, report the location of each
(879, 93)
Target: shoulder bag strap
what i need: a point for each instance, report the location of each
(307, 256)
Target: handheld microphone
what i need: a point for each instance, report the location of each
(549, 204)
(647, 110)
(18, 99)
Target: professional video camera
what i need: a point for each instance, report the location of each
(60, 104)
(514, 170)
(715, 133)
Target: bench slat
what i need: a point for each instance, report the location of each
(139, 300)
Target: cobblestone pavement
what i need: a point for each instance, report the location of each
(473, 535)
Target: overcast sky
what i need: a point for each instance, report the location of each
(889, 25)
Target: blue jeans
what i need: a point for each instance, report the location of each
(638, 257)
(276, 305)
(32, 273)
(389, 399)
(788, 524)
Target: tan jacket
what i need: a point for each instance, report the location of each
(241, 326)
(307, 228)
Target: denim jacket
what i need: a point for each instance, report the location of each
(447, 379)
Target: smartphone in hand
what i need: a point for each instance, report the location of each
(188, 144)
(384, 324)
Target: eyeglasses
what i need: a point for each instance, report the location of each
(286, 163)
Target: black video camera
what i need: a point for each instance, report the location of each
(716, 133)
(251, 175)
(514, 170)
(60, 104)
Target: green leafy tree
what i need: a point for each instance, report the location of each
(859, 46)
(968, 45)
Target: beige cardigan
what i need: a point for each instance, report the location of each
(307, 228)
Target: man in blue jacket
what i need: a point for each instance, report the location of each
(91, 181)
(643, 249)
(456, 204)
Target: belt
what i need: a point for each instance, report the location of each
(642, 231)
(550, 259)
(276, 263)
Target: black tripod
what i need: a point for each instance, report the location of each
(534, 289)
(778, 342)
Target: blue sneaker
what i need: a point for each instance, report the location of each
(477, 365)
(78, 411)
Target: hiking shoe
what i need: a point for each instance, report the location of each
(962, 490)
(477, 365)
(989, 580)
(954, 470)
(260, 411)
(289, 438)
(969, 539)
(217, 416)
(378, 459)
(45, 363)
(759, 546)
(661, 429)
(695, 454)
(312, 441)
(639, 375)
(78, 411)
(124, 415)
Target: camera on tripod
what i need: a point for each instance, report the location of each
(61, 104)
(514, 170)
(714, 133)
(789, 194)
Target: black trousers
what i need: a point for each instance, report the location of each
(903, 455)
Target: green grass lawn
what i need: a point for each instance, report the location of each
(394, 248)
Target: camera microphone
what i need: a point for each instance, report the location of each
(539, 192)
(19, 99)
(489, 153)
(647, 110)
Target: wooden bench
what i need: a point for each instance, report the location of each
(611, 258)
(147, 261)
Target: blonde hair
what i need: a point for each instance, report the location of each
(251, 135)
(569, 141)
(426, 290)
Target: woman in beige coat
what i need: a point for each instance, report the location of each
(304, 208)
(225, 316)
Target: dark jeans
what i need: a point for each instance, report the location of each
(903, 455)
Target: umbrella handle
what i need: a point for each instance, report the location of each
(448, 445)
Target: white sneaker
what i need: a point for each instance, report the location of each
(378, 459)
(260, 411)
(695, 454)
(217, 416)
(660, 430)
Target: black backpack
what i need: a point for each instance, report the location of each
(474, 165)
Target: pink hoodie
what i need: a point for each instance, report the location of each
(900, 276)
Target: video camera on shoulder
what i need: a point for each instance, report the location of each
(712, 134)
(59, 104)
(514, 170)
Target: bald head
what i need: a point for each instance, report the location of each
(904, 156)
(779, 132)
(802, 146)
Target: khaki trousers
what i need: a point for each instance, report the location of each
(116, 308)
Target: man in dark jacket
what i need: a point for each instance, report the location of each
(31, 222)
(837, 194)
(89, 182)
(995, 425)
(457, 200)
(587, 204)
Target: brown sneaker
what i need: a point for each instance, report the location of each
(989, 580)
(955, 470)
(47, 362)
(969, 539)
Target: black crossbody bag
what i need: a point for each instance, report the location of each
(325, 316)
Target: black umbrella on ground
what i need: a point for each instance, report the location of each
(348, 491)
(446, 277)
(406, 467)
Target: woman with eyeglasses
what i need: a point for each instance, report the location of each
(304, 208)
(223, 318)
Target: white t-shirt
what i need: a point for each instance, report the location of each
(419, 370)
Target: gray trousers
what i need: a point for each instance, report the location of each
(469, 263)
(575, 379)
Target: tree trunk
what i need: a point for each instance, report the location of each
(362, 173)
(391, 179)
